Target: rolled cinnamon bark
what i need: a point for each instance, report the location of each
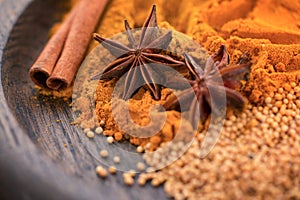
(58, 63)
(44, 65)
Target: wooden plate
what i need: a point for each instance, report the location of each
(40, 158)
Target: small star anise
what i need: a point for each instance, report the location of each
(135, 58)
(205, 80)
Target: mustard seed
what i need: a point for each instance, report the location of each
(284, 119)
(266, 111)
(116, 159)
(155, 182)
(290, 96)
(268, 100)
(142, 181)
(112, 170)
(90, 134)
(297, 89)
(86, 130)
(103, 153)
(99, 130)
(287, 87)
(293, 84)
(139, 149)
(140, 166)
(148, 145)
(110, 139)
(101, 171)
(284, 128)
(298, 103)
(128, 179)
(278, 96)
(275, 110)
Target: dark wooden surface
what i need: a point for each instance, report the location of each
(34, 164)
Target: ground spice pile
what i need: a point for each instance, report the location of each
(274, 64)
(257, 154)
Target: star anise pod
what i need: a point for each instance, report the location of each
(204, 81)
(136, 59)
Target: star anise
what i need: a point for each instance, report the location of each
(136, 58)
(204, 81)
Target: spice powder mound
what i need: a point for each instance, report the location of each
(258, 152)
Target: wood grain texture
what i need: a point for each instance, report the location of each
(34, 163)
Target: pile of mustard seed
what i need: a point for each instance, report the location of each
(256, 156)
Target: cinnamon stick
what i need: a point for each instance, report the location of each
(44, 65)
(58, 63)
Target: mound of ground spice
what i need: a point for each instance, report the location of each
(257, 155)
(139, 108)
(274, 64)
